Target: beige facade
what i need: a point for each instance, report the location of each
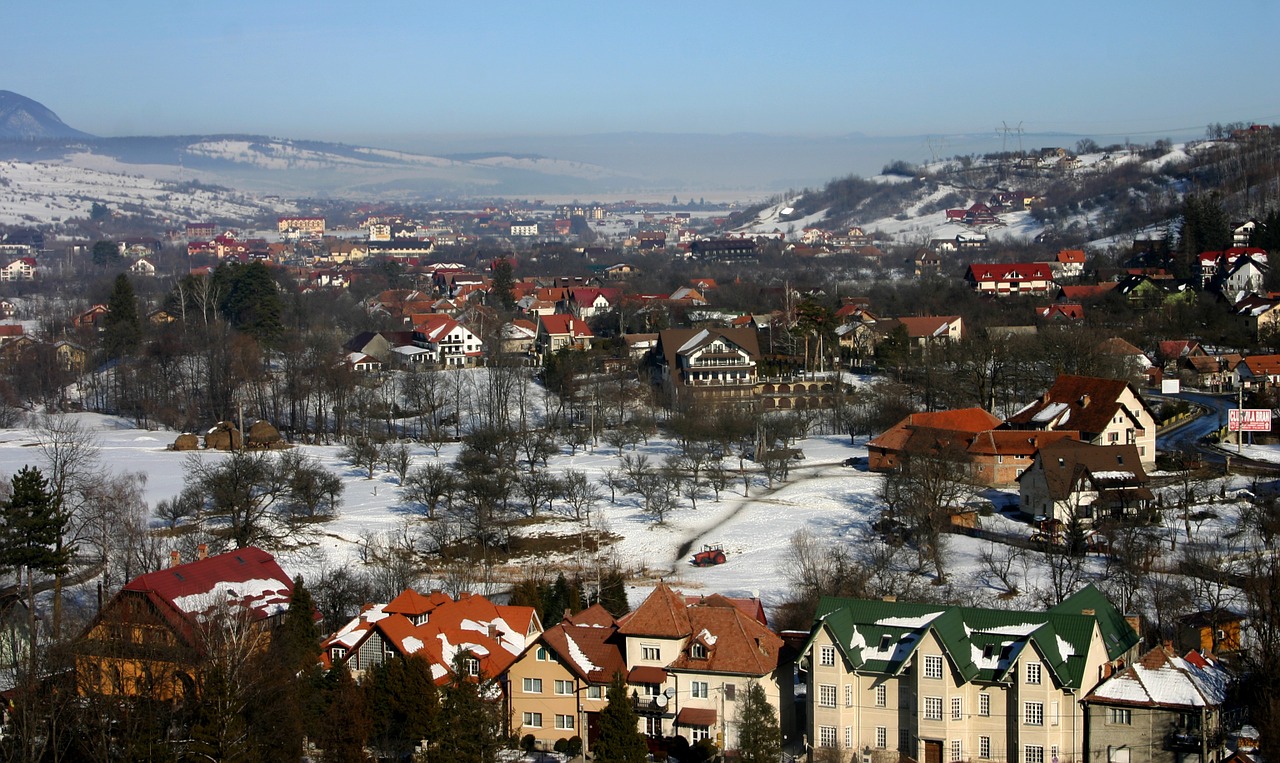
(549, 701)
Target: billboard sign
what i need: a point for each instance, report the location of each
(1249, 420)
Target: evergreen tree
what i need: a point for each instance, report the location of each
(105, 253)
(122, 326)
(619, 740)
(759, 736)
(297, 643)
(32, 526)
(1205, 225)
(503, 285)
(250, 300)
(345, 729)
(404, 706)
(475, 728)
(613, 593)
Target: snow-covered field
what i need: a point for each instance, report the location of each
(833, 502)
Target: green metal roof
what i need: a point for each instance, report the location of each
(983, 645)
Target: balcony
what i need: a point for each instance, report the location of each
(1187, 740)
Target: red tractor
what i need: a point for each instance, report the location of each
(708, 557)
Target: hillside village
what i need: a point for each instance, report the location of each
(980, 388)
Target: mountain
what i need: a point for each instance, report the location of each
(24, 119)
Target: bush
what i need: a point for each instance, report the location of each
(527, 742)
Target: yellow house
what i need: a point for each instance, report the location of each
(556, 689)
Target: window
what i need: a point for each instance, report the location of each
(653, 725)
(933, 708)
(650, 653)
(848, 695)
(1053, 713)
(882, 695)
(984, 704)
(564, 687)
(984, 747)
(1053, 752)
(827, 736)
(337, 653)
(594, 692)
(1119, 716)
(957, 751)
(541, 654)
(472, 666)
(848, 737)
(533, 686)
(564, 722)
(699, 733)
(933, 666)
(882, 737)
(702, 690)
(652, 690)
(826, 695)
(1033, 714)
(533, 720)
(698, 651)
(1033, 672)
(1032, 753)
(957, 708)
(827, 656)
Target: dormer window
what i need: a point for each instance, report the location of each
(698, 651)
(885, 641)
(337, 653)
(472, 666)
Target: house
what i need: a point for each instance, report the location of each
(1061, 311)
(1260, 311)
(558, 332)
(688, 665)
(487, 636)
(524, 228)
(1103, 411)
(10, 332)
(587, 303)
(620, 271)
(927, 330)
(71, 356)
(934, 682)
(955, 428)
(143, 268)
(1212, 631)
(1069, 263)
(1003, 279)
(724, 250)
(1246, 274)
(91, 318)
(1213, 373)
(1242, 233)
(518, 336)
(558, 686)
(363, 364)
(1072, 481)
(1161, 709)
(449, 342)
(309, 226)
(1258, 371)
(926, 262)
(21, 269)
(714, 364)
(149, 638)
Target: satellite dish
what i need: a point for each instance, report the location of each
(669, 692)
(660, 700)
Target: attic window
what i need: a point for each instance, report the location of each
(987, 651)
(1062, 461)
(1120, 460)
(885, 641)
(1005, 652)
(698, 651)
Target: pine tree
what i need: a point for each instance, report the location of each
(475, 728)
(346, 721)
(503, 285)
(759, 736)
(297, 642)
(619, 740)
(404, 705)
(613, 593)
(121, 327)
(251, 300)
(32, 528)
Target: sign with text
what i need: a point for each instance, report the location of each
(1249, 420)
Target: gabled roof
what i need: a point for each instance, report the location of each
(1012, 442)
(963, 422)
(1083, 403)
(662, 614)
(248, 579)
(1067, 464)
(732, 641)
(590, 651)
(928, 327)
(1162, 679)
(1086, 292)
(1005, 271)
(565, 325)
(982, 644)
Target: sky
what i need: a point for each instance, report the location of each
(342, 71)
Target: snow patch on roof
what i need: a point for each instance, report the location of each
(412, 644)
(578, 656)
(1021, 629)
(909, 622)
(249, 593)
(695, 341)
(706, 637)
(1050, 412)
(1064, 647)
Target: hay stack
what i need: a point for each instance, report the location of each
(224, 436)
(186, 441)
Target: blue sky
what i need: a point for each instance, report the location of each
(360, 71)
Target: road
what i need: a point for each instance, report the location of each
(1190, 436)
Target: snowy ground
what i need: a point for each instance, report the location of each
(831, 501)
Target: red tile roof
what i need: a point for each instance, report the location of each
(661, 614)
(248, 579)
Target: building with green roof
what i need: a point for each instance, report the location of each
(943, 684)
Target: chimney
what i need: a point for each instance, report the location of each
(493, 631)
(175, 558)
(890, 598)
(202, 551)
(1084, 401)
(1135, 622)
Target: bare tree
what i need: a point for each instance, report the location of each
(580, 494)
(1004, 564)
(396, 459)
(429, 486)
(71, 462)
